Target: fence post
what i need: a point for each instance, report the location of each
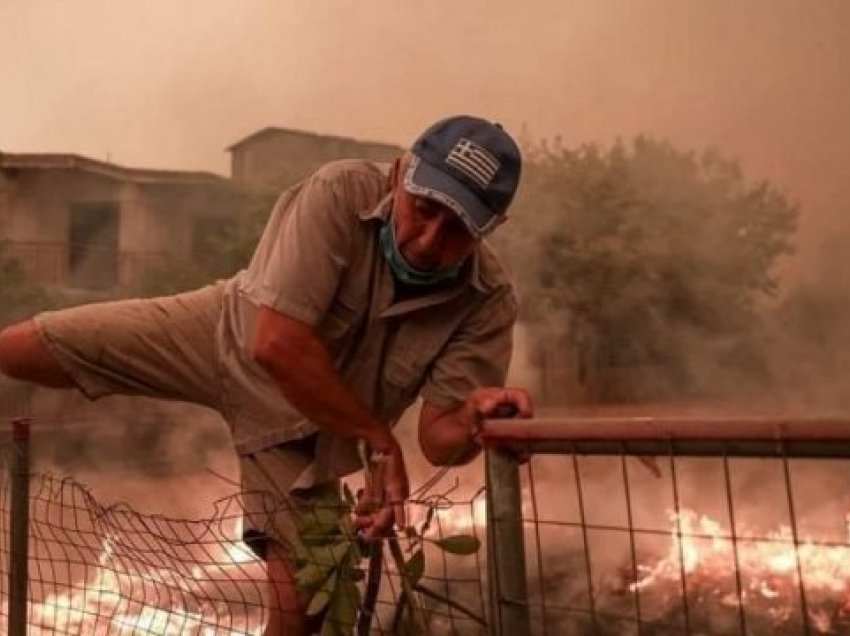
(505, 546)
(19, 528)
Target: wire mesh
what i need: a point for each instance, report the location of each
(618, 544)
(97, 569)
(682, 541)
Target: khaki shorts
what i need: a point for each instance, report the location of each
(166, 348)
(157, 347)
(272, 509)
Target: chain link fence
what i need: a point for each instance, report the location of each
(96, 569)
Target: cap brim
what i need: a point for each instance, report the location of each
(425, 180)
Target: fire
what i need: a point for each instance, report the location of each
(769, 568)
(160, 602)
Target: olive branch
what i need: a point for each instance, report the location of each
(329, 558)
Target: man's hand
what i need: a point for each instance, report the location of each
(382, 503)
(493, 402)
(449, 437)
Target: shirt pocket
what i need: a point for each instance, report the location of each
(404, 375)
(405, 372)
(338, 323)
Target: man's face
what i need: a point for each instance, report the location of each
(429, 234)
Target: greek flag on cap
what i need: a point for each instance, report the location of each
(469, 164)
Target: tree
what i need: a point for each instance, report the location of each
(652, 256)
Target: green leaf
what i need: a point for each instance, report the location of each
(342, 609)
(414, 568)
(321, 561)
(458, 544)
(322, 597)
(310, 577)
(330, 555)
(300, 554)
(319, 523)
(320, 514)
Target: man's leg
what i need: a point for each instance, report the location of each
(287, 614)
(157, 347)
(271, 527)
(25, 356)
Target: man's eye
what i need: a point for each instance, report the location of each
(425, 210)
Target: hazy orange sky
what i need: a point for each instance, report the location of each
(170, 84)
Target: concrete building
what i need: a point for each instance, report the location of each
(76, 222)
(277, 157)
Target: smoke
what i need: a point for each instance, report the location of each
(122, 435)
(809, 349)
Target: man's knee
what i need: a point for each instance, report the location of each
(10, 349)
(24, 356)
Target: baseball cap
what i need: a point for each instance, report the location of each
(468, 164)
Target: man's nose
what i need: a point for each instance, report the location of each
(432, 234)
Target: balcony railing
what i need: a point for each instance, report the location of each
(49, 263)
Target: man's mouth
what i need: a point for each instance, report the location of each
(422, 264)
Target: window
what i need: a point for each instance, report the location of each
(93, 245)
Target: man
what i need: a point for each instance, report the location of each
(369, 287)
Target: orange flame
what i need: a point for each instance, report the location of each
(117, 601)
(769, 566)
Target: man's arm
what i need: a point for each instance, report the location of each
(296, 359)
(447, 436)
(293, 355)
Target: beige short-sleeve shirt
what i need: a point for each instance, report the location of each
(319, 261)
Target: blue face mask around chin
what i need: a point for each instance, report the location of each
(403, 271)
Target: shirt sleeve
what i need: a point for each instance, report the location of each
(477, 355)
(304, 248)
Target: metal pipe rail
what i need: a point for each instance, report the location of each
(509, 442)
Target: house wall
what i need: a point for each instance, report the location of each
(7, 191)
(155, 219)
(39, 210)
(279, 158)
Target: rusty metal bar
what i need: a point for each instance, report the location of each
(509, 615)
(19, 528)
(739, 584)
(718, 436)
(674, 482)
(586, 542)
(804, 606)
(632, 547)
(539, 545)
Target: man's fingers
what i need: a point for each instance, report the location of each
(524, 404)
(380, 523)
(382, 506)
(490, 401)
(398, 513)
